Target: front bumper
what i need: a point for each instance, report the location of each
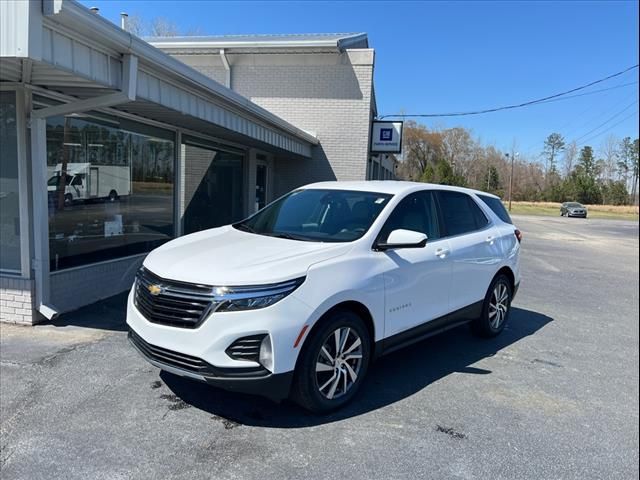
(577, 214)
(252, 380)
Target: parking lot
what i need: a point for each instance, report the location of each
(555, 396)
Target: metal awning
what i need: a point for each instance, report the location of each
(63, 47)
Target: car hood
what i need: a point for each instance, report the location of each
(228, 257)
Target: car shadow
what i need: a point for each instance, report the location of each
(391, 379)
(107, 314)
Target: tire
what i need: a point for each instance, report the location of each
(113, 196)
(68, 199)
(500, 292)
(316, 390)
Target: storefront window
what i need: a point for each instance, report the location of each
(9, 204)
(110, 189)
(213, 188)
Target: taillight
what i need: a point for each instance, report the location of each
(518, 235)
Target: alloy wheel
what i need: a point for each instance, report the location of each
(339, 363)
(499, 305)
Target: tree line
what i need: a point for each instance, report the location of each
(563, 171)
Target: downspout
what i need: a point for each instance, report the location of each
(227, 67)
(39, 173)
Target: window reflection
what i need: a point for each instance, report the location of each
(9, 199)
(110, 189)
(213, 188)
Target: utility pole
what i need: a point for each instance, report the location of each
(511, 177)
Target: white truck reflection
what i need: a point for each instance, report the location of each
(85, 181)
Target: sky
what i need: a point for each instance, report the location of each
(438, 57)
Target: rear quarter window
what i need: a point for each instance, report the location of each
(495, 204)
(460, 213)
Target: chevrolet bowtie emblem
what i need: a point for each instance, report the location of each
(155, 289)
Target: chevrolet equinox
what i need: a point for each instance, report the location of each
(299, 298)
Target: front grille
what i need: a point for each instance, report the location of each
(177, 304)
(169, 357)
(192, 364)
(246, 348)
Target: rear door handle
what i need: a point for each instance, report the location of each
(442, 252)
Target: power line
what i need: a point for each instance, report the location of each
(591, 92)
(607, 121)
(575, 130)
(529, 149)
(511, 107)
(606, 130)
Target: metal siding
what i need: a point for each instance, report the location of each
(10, 70)
(14, 28)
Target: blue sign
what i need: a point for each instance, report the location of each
(386, 134)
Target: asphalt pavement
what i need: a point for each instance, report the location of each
(555, 396)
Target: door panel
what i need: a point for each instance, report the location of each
(417, 280)
(94, 173)
(475, 251)
(417, 283)
(475, 257)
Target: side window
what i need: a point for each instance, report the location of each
(77, 180)
(460, 213)
(416, 212)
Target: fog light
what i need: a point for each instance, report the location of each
(266, 353)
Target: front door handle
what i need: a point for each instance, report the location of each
(442, 252)
(490, 239)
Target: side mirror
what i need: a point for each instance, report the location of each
(403, 239)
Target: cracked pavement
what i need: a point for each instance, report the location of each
(555, 396)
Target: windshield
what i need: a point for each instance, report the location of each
(318, 215)
(55, 180)
(574, 205)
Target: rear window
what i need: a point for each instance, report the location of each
(498, 208)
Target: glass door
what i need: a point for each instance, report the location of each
(261, 185)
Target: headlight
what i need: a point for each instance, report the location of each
(233, 299)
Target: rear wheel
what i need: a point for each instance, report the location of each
(113, 196)
(496, 308)
(333, 363)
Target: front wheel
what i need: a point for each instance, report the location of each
(333, 363)
(496, 308)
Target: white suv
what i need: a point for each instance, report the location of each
(299, 298)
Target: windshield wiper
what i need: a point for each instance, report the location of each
(288, 236)
(244, 227)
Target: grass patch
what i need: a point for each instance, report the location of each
(618, 212)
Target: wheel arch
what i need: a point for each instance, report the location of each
(506, 271)
(353, 306)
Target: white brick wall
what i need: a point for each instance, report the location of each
(16, 297)
(328, 94)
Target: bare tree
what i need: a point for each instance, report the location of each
(570, 154)
(420, 148)
(135, 25)
(162, 27)
(609, 150)
(457, 146)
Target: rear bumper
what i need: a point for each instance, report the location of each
(252, 380)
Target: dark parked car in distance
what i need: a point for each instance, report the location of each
(573, 209)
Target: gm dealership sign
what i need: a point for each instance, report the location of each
(386, 137)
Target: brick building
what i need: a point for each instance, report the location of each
(112, 145)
